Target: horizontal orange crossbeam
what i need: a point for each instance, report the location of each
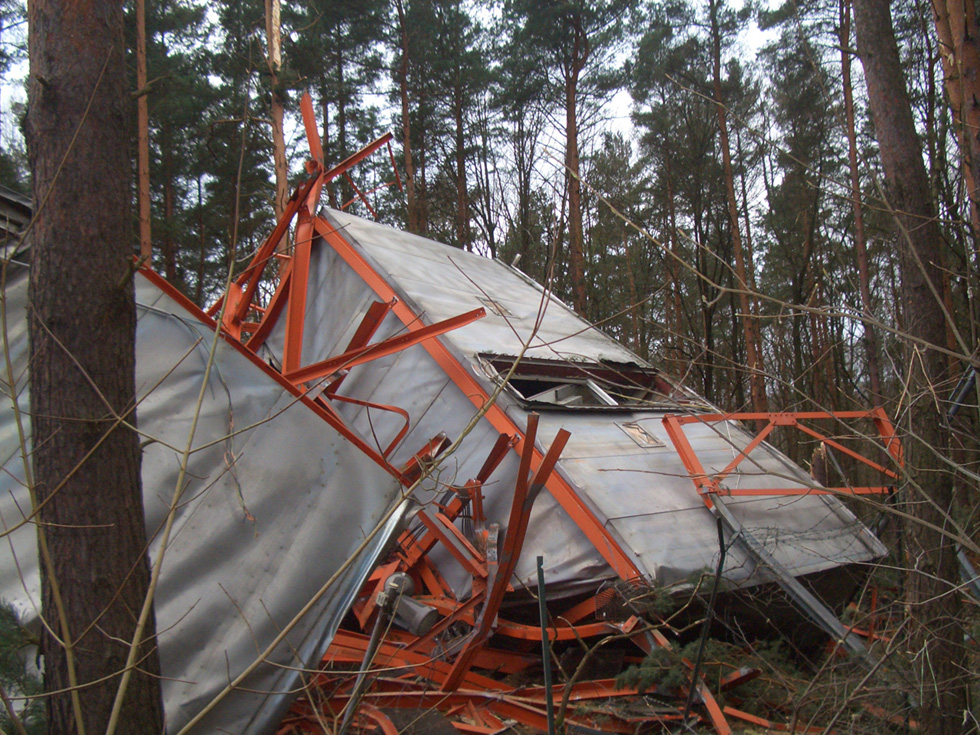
(877, 490)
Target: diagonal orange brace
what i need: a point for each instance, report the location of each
(365, 330)
(708, 485)
(849, 452)
(682, 446)
(361, 355)
(273, 310)
(312, 132)
(760, 437)
(461, 550)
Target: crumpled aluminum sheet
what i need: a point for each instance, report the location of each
(276, 502)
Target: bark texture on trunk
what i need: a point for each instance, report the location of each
(937, 633)
(959, 41)
(857, 206)
(277, 109)
(750, 325)
(410, 195)
(82, 323)
(143, 134)
(576, 236)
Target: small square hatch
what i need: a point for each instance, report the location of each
(640, 435)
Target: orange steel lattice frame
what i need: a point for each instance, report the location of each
(709, 485)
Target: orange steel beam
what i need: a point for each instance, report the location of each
(715, 713)
(365, 330)
(849, 452)
(312, 132)
(474, 488)
(738, 677)
(361, 355)
(605, 543)
(714, 710)
(272, 311)
(413, 550)
(381, 407)
(360, 194)
(503, 704)
(463, 612)
(468, 557)
(496, 590)
(523, 632)
(306, 196)
(372, 714)
(761, 437)
(458, 535)
(708, 484)
(292, 350)
(525, 492)
(583, 609)
(416, 464)
(347, 643)
(433, 580)
(489, 659)
(351, 161)
(886, 430)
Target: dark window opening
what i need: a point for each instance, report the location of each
(559, 384)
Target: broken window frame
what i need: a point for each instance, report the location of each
(588, 386)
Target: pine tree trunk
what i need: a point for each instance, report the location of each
(750, 325)
(576, 236)
(462, 199)
(346, 191)
(325, 139)
(936, 632)
(82, 324)
(202, 249)
(143, 135)
(277, 110)
(410, 198)
(857, 207)
(169, 246)
(674, 308)
(959, 37)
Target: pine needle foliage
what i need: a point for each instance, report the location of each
(20, 681)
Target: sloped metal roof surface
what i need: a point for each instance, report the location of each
(444, 281)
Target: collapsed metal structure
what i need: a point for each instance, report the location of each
(473, 425)
(536, 404)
